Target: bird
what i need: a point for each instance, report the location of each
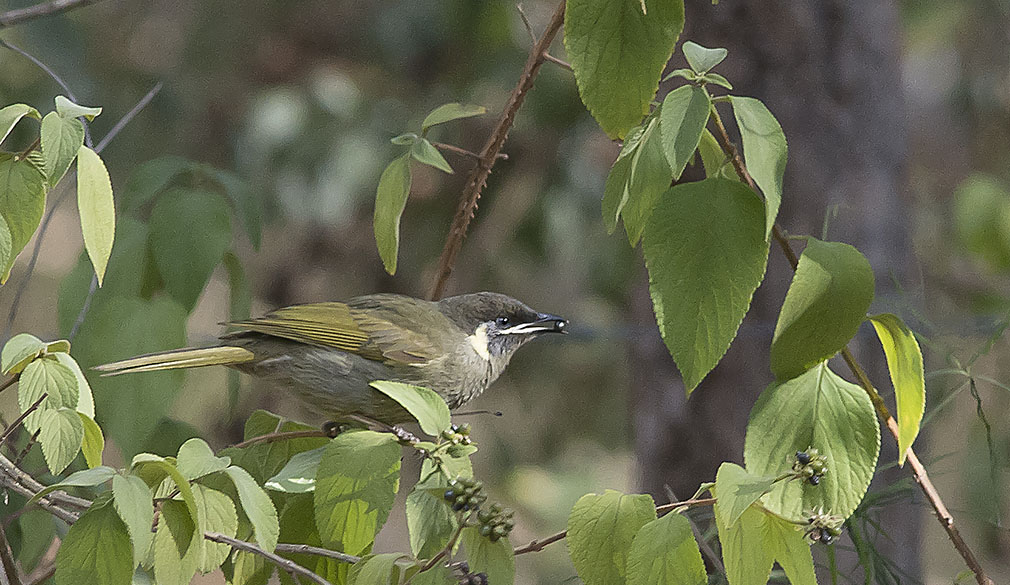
(328, 353)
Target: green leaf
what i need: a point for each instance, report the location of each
(85, 399)
(615, 192)
(495, 559)
(650, 179)
(190, 232)
(61, 139)
(46, 376)
(19, 351)
(737, 490)
(821, 410)
(22, 202)
(299, 474)
(747, 558)
(430, 522)
(390, 200)
(69, 109)
(247, 203)
(83, 478)
(265, 460)
(449, 112)
(682, 73)
(6, 245)
(425, 405)
(406, 139)
(12, 114)
(93, 443)
(764, 151)
(717, 80)
(355, 487)
(151, 178)
(157, 468)
(133, 501)
(664, 552)
(176, 545)
(785, 541)
(425, 152)
(682, 120)
(904, 362)
(702, 59)
(97, 209)
(196, 459)
(618, 54)
(701, 291)
(381, 569)
(58, 346)
(601, 529)
(95, 551)
(826, 303)
(217, 514)
(712, 157)
(61, 436)
(437, 575)
(257, 506)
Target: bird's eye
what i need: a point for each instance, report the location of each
(502, 321)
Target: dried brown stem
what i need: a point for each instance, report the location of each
(287, 565)
(918, 471)
(12, 17)
(279, 436)
(489, 154)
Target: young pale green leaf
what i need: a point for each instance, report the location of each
(717, 80)
(601, 529)
(12, 114)
(700, 291)
(615, 192)
(425, 152)
(6, 244)
(19, 351)
(93, 443)
(176, 545)
(682, 73)
(96, 207)
(747, 559)
(618, 85)
(650, 179)
(430, 522)
(425, 405)
(58, 346)
(96, 550)
(449, 112)
(85, 399)
(196, 459)
(84, 478)
(390, 200)
(826, 303)
(682, 122)
(821, 410)
(22, 202)
(257, 506)
(69, 109)
(46, 376)
(380, 569)
(702, 59)
(355, 487)
(217, 514)
(190, 232)
(299, 474)
(133, 501)
(713, 158)
(737, 489)
(405, 139)
(904, 362)
(785, 541)
(61, 435)
(61, 139)
(664, 552)
(764, 151)
(494, 559)
(153, 469)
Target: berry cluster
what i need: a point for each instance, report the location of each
(474, 579)
(458, 434)
(810, 465)
(823, 528)
(495, 522)
(465, 494)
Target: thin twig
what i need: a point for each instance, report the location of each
(11, 574)
(304, 549)
(462, 151)
(918, 471)
(446, 549)
(540, 544)
(556, 61)
(279, 436)
(23, 484)
(129, 116)
(8, 383)
(286, 564)
(489, 154)
(533, 36)
(12, 17)
(706, 548)
(20, 419)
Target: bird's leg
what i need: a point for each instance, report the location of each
(402, 435)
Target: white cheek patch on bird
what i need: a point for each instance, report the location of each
(479, 342)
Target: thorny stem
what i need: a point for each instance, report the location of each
(489, 154)
(918, 471)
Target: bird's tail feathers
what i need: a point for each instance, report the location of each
(224, 355)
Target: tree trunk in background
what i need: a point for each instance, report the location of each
(829, 70)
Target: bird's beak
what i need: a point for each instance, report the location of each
(545, 323)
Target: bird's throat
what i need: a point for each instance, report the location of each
(479, 342)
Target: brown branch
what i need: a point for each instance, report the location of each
(464, 152)
(8, 383)
(446, 549)
(287, 565)
(11, 575)
(489, 154)
(539, 545)
(12, 17)
(279, 436)
(304, 549)
(918, 471)
(14, 425)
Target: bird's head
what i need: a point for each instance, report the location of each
(497, 325)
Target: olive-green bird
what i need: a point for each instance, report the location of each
(329, 352)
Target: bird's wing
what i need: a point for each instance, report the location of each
(332, 324)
